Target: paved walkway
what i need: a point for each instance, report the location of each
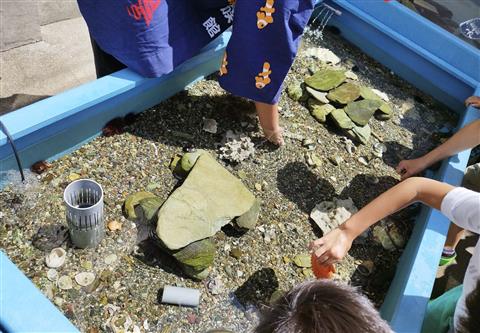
(61, 61)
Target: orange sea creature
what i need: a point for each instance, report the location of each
(322, 271)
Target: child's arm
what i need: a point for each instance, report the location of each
(467, 137)
(333, 246)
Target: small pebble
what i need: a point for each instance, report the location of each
(114, 225)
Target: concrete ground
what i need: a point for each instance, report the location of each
(63, 60)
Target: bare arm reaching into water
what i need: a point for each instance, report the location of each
(465, 138)
(333, 246)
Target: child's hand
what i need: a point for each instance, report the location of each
(408, 168)
(332, 247)
(473, 101)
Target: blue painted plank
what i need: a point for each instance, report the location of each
(23, 308)
(66, 121)
(33, 119)
(405, 304)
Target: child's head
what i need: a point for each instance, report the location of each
(322, 306)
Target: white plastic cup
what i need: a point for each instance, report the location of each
(181, 296)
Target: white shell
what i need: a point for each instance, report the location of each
(52, 275)
(85, 278)
(65, 282)
(56, 258)
(110, 259)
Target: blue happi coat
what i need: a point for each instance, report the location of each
(152, 37)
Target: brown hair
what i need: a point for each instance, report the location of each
(322, 306)
(471, 322)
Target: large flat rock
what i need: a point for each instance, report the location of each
(209, 198)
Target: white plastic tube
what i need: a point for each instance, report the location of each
(181, 296)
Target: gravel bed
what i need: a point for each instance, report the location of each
(130, 275)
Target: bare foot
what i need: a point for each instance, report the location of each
(268, 117)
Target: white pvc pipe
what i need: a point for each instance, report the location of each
(181, 296)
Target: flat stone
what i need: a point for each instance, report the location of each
(209, 198)
(133, 200)
(351, 75)
(323, 54)
(361, 112)
(294, 90)
(318, 95)
(361, 133)
(303, 260)
(319, 110)
(346, 93)
(384, 112)
(210, 126)
(249, 219)
(367, 93)
(326, 79)
(341, 119)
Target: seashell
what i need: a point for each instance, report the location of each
(52, 275)
(85, 278)
(110, 259)
(65, 282)
(363, 160)
(56, 258)
(114, 225)
(120, 323)
(379, 149)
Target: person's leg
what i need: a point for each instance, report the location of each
(268, 118)
(261, 50)
(105, 64)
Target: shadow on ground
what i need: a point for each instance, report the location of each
(17, 101)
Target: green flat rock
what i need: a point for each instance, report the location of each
(303, 260)
(384, 112)
(360, 112)
(319, 110)
(367, 93)
(346, 93)
(295, 91)
(326, 79)
(209, 198)
(361, 133)
(341, 119)
(318, 95)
